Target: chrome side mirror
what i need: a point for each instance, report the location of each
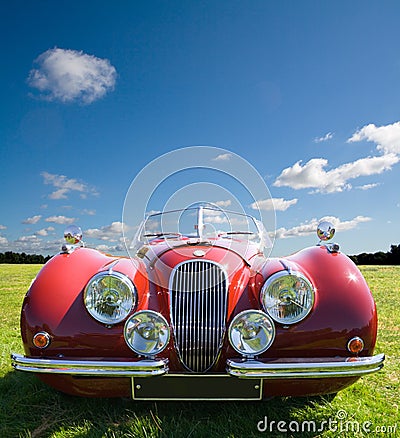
(73, 238)
(73, 234)
(325, 231)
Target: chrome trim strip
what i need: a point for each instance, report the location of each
(305, 368)
(139, 368)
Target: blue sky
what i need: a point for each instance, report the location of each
(307, 92)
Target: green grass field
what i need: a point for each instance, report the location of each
(368, 408)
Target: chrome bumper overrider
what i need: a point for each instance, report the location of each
(140, 368)
(305, 368)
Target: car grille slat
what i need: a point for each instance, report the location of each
(198, 291)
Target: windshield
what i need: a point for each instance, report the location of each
(204, 223)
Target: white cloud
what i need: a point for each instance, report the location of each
(215, 219)
(277, 204)
(62, 220)
(103, 248)
(313, 174)
(223, 157)
(110, 233)
(29, 241)
(89, 212)
(367, 186)
(70, 75)
(3, 227)
(44, 231)
(66, 185)
(310, 227)
(386, 137)
(326, 137)
(112, 249)
(223, 204)
(216, 212)
(34, 244)
(32, 220)
(59, 194)
(3, 241)
(148, 213)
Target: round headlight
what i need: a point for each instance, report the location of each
(287, 298)
(251, 332)
(109, 297)
(146, 333)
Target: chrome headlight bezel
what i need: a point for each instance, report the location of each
(284, 289)
(251, 332)
(147, 333)
(117, 304)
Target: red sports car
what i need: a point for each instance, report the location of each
(199, 313)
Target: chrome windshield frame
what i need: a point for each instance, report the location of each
(142, 238)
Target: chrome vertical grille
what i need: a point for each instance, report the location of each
(198, 291)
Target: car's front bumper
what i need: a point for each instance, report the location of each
(305, 368)
(287, 368)
(95, 368)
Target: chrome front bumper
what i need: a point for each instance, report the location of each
(100, 368)
(305, 368)
(295, 368)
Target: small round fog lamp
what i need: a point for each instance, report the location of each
(41, 340)
(146, 333)
(251, 332)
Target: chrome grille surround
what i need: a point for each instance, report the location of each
(198, 302)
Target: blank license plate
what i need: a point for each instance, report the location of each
(196, 387)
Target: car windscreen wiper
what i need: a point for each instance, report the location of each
(162, 234)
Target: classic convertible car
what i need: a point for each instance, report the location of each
(199, 313)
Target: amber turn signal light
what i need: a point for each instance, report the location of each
(355, 345)
(41, 340)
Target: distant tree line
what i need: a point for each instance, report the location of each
(22, 258)
(391, 257)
